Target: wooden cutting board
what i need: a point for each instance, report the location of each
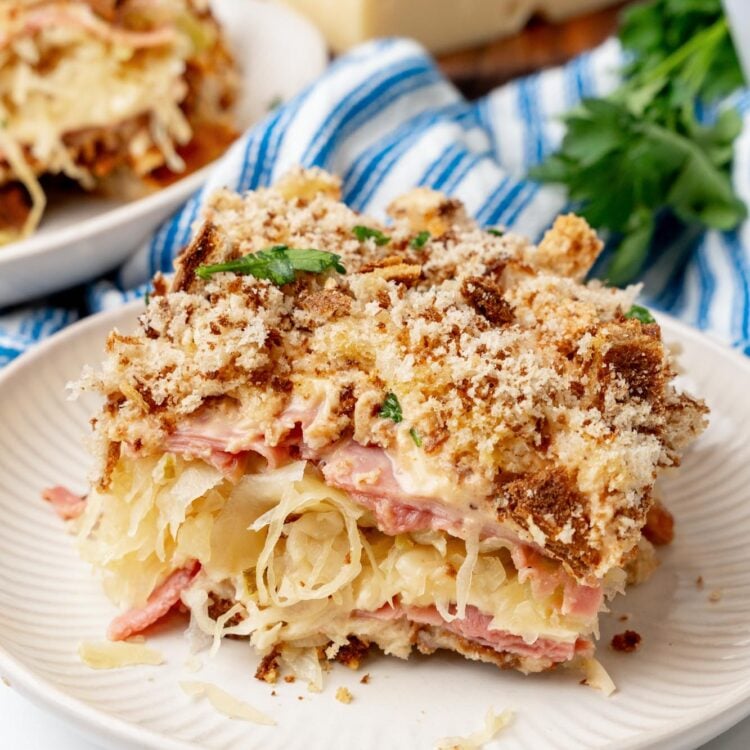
(541, 45)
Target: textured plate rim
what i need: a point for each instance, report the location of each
(100, 724)
(78, 713)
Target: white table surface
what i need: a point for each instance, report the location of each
(26, 727)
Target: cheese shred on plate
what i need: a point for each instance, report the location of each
(493, 725)
(109, 655)
(326, 437)
(225, 703)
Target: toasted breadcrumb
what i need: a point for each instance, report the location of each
(569, 248)
(659, 528)
(626, 642)
(343, 695)
(351, 653)
(268, 668)
(715, 596)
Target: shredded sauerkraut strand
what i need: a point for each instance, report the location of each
(291, 592)
(463, 580)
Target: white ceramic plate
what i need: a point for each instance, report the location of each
(689, 681)
(84, 236)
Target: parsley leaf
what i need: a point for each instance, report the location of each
(364, 233)
(420, 240)
(640, 158)
(654, 30)
(278, 264)
(390, 408)
(496, 232)
(415, 437)
(640, 313)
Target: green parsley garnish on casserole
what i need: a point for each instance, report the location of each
(99, 91)
(448, 444)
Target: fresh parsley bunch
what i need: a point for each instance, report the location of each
(640, 154)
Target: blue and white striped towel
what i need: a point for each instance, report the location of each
(385, 119)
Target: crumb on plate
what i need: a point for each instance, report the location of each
(268, 669)
(626, 642)
(343, 695)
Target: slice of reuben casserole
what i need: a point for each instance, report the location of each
(328, 433)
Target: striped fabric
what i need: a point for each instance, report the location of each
(385, 119)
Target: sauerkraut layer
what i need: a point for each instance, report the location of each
(296, 565)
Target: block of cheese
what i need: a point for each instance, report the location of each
(441, 25)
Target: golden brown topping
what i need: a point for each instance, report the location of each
(487, 299)
(635, 357)
(406, 273)
(424, 210)
(199, 252)
(550, 506)
(305, 185)
(569, 248)
(326, 304)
